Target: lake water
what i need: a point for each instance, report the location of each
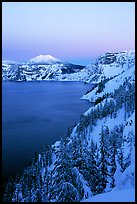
(34, 114)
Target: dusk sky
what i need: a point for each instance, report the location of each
(76, 32)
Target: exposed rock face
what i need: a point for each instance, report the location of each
(108, 58)
(33, 72)
(49, 68)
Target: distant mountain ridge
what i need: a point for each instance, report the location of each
(47, 67)
(42, 67)
(44, 59)
(9, 62)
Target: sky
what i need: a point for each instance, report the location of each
(76, 32)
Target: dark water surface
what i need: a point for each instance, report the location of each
(34, 114)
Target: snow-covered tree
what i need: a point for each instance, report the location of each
(9, 190)
(112, 158)
(64, 179)
(103, 167)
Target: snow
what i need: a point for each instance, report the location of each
(129, 124)
(108, 121)
(127, 195)
(116, 70)
(111, 85)
(95, 106)
(47, 64)
(39, 157)
(20, 195)
(87, 192)
(129, 131)
(127, 178)
(43, 172)
(4, 62)
(118, 172)
(125, 182)
(111, 70)
(123, 192)
(57, 144)
(51, 167)
(48, 59)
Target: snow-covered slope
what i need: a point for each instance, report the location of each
(123, 192)
(110, 90)
(43, 67)
(46, 67)
(114, 82)
(6, 62)
(112, 76)
(44, 59)
(96, 161)
(110, 85)
(110, 65)
(127, 195)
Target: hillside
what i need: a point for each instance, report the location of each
(96, 160)
(47, 67)
(123, 192)
(42, 67)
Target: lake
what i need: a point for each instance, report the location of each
(35, 114)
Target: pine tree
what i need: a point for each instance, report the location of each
(64, 179)
(48, 155)
(112, 108)
(130, 141)
(39, 190)
(112, 158)
(18, 193)
(103, 161)
(9, 190)
(93, 171)
(120, 153)
(118, 135)
(47, 186)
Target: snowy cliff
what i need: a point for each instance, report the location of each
(96, 160)
(42, 67)
(47, 67)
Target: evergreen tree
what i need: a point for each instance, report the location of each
(112, 158)
(93, 176)
(120, 153)
(64, 179)
(112, 108)
(48, 155)
(103, 161)
(18, 193)
(47, 186)
(130, 141)
(9, 190)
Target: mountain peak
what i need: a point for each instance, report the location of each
(9, 62)
(47, 59)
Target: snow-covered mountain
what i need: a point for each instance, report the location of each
(110, 65)
(46, 67)
(42, 67)
(44, 59)
(96, 160)
(8, 62)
